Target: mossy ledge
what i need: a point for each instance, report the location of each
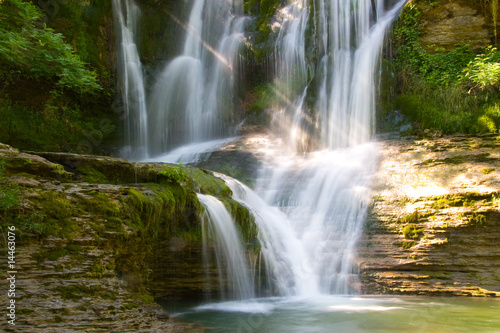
(94, 235)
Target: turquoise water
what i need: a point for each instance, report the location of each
(347, 314)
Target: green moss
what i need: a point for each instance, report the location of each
(411, 231)
(476, 219)
(56, 254)
(410, 218)
(146, 299)
(167, 209)
(73, 248)
(244, 219)
(76, 292)
(447, 202)
(61, 311)
(173, 174)
(459, 200)
(206, 183)
(130, 306)
(92, 175)
(487, 171)
(459, 159)
(108, 295)
(102, 204)
(440, 275)
(408, 244)
(58, 211)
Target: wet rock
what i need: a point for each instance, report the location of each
(396, 121)
(446, 190)
(95, 245)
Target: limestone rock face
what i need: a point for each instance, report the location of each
(454, 22)
(434, 226)
(99, 240)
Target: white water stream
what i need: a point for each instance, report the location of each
(322, 182)
(130, 73)
(219, 229)
(193, 101)
(311, 197)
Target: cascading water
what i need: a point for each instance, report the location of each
(130, 74)
(193, 101)
(312, 195)
(350, 36)
(325, 193)
(219, 229)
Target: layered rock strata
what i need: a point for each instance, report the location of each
(434, 226)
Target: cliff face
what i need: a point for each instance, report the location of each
(435, 223)
(448, 23)
(99, 239)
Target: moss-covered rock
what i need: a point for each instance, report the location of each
(99, 235)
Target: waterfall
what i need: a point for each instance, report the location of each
(130, 74)
(320, 177)
(312, 194)
(194, 98)
(287, 267)
(350, 35)
(219, 229)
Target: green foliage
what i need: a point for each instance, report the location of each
(489, 120)
(263, 10)
(454, 91)
(265, 96)
(173, 174)
(54, 129)
(484, 71)
(35, 224)
(39, 53)
(436, 69)
(9, 195)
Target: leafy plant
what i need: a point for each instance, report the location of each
(484, 71)
(40, 53)
(450, 91)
